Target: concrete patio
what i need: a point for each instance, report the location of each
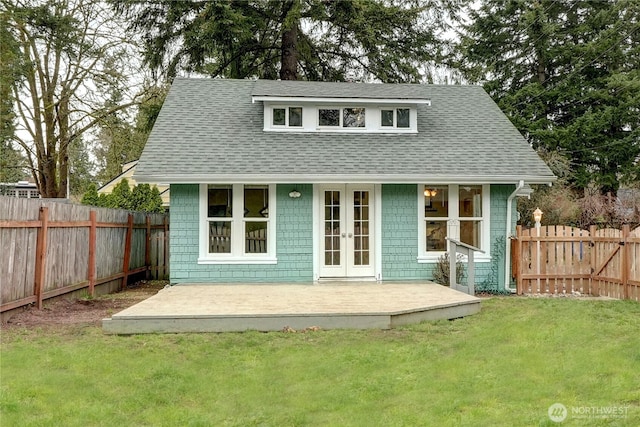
(273, 307)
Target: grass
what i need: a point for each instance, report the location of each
(502, 367)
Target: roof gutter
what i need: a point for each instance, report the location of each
(507, 252)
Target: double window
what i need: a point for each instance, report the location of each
(398, 118)
(238, 223)
(287, 117)
(460, 212)
(352, 117)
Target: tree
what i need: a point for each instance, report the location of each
(392, 40)
(119, 141)
(142, 198)
(11, 160)
(73, 55)
(91, 196)
(568, 76)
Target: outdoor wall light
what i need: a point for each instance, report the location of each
(295, 194)
(537, 216)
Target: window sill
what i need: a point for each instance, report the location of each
(433, 258)
(238, 260)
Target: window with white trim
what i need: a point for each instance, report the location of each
(238, 223)
(287, 116)
(396, 118)
(460, 212)
(352, 117)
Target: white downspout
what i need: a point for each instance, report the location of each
(507, 252)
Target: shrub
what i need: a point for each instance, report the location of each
(441, 270)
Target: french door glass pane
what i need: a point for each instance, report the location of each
(360, 228)
(219, 237)
(332, 228)
(255, 237)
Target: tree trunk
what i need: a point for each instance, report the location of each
(289, 48)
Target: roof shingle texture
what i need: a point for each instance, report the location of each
(209, 129)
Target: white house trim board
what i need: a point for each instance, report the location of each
(341, 178)
(341, 101)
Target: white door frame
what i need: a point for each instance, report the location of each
(375, 230)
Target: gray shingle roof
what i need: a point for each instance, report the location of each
(210, 131)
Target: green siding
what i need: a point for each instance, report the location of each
(400, 237)
(400, 233)
(294, 234)
(293, 240)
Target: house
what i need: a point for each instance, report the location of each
(21, 189)
(293, 181)
(128, 169)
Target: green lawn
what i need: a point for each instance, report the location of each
(502, 367)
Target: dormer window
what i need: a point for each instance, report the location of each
(291, 117)
(353, 117)
(398, 118)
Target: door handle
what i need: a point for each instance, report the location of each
(350, 235)
(344, 234)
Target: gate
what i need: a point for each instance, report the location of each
(566, 260)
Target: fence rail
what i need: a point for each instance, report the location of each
(559, 259)
(52, 248)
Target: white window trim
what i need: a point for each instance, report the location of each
(237, 255)
(453, 223)
(395, 118)
(311, 120)
(286, 117)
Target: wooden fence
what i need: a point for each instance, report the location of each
(559, 259)
(50, 248)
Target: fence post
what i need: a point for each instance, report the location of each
(594, 285)
(165, 247)
(147, 248)
(516, 259)
(41, 256)
(127, 252)
(92, 253)
(626, 230)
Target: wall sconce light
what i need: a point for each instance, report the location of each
(295, 194)
(537, 216)
(430, 192)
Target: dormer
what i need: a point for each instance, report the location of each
(297, 106)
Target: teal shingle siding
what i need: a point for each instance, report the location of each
(295, 239)
(400, 236)
(293, 234)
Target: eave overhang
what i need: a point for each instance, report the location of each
(346, 179)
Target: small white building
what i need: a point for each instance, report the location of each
(22, 189)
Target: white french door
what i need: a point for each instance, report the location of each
(346, 231)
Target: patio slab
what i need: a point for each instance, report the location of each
(274, 307)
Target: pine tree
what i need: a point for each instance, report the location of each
(568, 76)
